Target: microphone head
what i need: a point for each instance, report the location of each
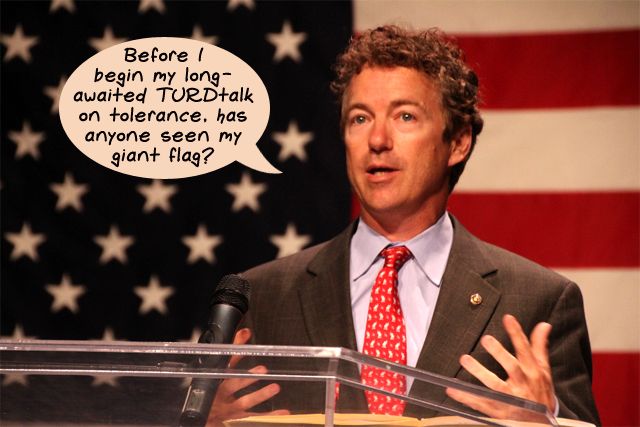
(233, 290)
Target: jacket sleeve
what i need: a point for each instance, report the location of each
(570, 357)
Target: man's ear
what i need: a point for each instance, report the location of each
(460, 146)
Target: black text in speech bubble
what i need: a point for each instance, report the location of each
(166, 108)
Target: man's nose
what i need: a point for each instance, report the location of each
(379, 138)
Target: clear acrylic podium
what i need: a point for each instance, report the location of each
(96, 383)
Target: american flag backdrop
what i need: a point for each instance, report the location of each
(88, 253)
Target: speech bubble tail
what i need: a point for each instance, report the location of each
(254, 159)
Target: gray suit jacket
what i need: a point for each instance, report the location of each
(304, 300)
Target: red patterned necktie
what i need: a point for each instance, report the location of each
(385, 334)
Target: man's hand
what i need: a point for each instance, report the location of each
(226, 406)
(529, 373)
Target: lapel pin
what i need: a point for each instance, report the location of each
(476, 299)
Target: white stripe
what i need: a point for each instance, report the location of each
(588, 149)
(499, 16)
(612, 306)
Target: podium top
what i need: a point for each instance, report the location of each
(78, 381)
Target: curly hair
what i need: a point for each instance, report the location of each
(430, 52)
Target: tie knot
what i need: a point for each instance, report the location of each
(395, 256)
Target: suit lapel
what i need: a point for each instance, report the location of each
(326, 298)
(457, 323)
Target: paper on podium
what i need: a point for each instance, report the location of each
(373, 420)
(454, 421)
(368, 420)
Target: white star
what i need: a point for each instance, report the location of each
(18, 44)
(18, 334)
(27, 141)
(292, 142)
(153, 296)
(108, 39)
(69, 193)
(233, 4)
(54, 92)
(105, 379)
(25, 242)
(114, 246)
(15, 379)
(199, 35)
(145, 5)
(195, 335)
(109, 380)
(108, 335)
(246, 193)
(201, 245)
(67, 4)
(287, 43)
(157, 195)
(290, 242)
(65, 295)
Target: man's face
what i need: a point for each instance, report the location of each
(397, 162)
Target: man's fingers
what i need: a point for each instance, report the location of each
(276, 412)
(518, 417)
(230, 386)
(483, 375)
(529, 374)
(540, 344)
(241, 337)
(250, 400)
(508, 362)
(520, 342)
(477, 403)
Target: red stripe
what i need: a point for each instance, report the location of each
(616, 386)
(555, 229)
(556, 70)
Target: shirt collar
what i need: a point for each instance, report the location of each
(430, 249)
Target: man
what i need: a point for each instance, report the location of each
(409, 114)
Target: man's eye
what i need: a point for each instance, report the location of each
(407, 117)
(358, 120)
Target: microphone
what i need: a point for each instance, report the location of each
(229, 303)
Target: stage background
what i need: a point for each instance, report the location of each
(88, 253)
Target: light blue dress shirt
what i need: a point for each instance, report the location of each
(419, 279)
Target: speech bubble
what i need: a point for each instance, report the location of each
(166, 107)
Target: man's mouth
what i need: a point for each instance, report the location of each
(379, 170)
